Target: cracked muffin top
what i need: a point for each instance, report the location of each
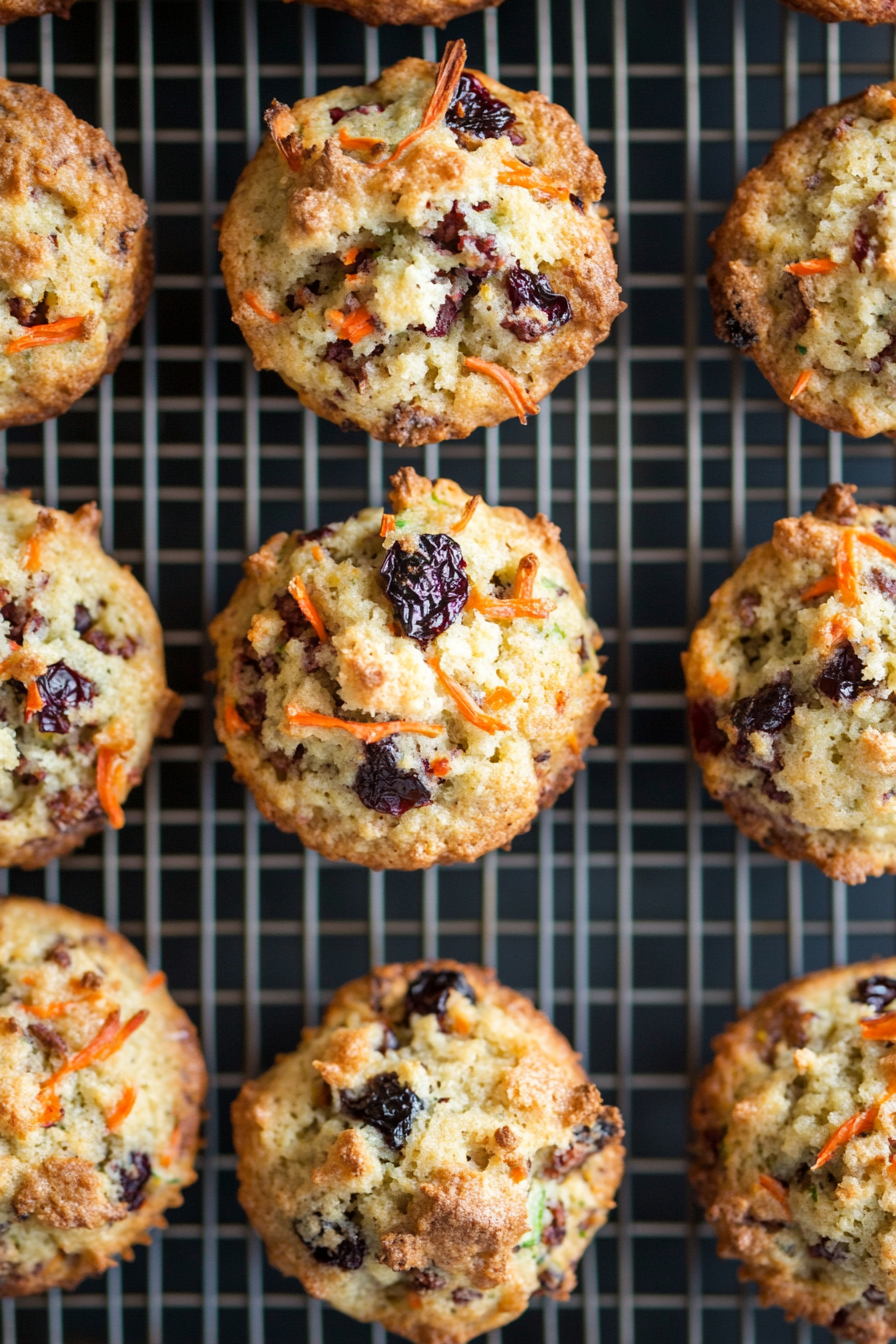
(75, 256)
(431, 1156)
(422, 255)
(101, 1080)
(409, 688)
(795, 1124)
(10, 10)
(804, 277)
(376, 12)
(842, 11)
(82, 681)
(791, 679)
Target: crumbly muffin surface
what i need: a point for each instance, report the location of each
(82, 681)
(368, 287)
(823, 204)
(101, 1080)
(431, 1156)
(376, 12)
(488, 708)
(842, 11)
(795, 1126)
(790, 677)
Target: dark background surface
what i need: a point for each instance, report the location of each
(633, 913)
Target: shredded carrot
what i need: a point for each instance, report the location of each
(778, 1191)
(171, 1147)
(255, 303)
(155, 981)
(465, 702)
(234, 723)
(367, 732)
(801, 384)
(388, 524)
(449, 72)
(31, 557)
(317, 553)
(469, 509)
(718, 682)
(816, 266)
(526, 574)
(826, 585)
(440, 766)
(509, 608)
(350, 326)
(891, 104)
(24, 665)
(110, 782)
(110, 1037)
(885, 548)
(298, 590)
(847, 575)
(122, 1109)
(881, 1028)
(521, 174)
(51, 333)
(499, 698)
(350, 256)
(518, 1174)
(347, 141)
(51, 1113)
(34, 702)
(522, 402)
(415, 1300)
(855, 1125)
(280, 124)
(49, 1011)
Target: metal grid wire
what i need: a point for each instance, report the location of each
(633, 912)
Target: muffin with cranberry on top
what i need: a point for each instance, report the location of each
(409, 688)
(422, 255)
(431, 1156)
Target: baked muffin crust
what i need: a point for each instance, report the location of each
(101, 1080)
(842, 11)
(795, 1126)
(430, 713)
(75, 256)
(498, 1165)
(383, 238)
(376, 12)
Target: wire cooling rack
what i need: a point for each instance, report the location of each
(633, 912)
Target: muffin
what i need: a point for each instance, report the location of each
(75, 255)
(789, 681)
(82, 681)
(409, 688)
(10, 10)
(838, 11)
(804, 276)
(417, 261)
(431, 1156)
(795, 1125)
(101, 1080)
(376, 12)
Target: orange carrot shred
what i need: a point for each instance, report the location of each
(317, 553)
(465, 703)
(234, 723)
(255, 303)
(367, 732)
(778, 1191)
(847, 576)
(449, 72)
(171, 1147)
(350, 326)
(816, 266)
(469, 509)
(49, 1011)
(885, 548)
(855, 1125)
(298, 590)
(388, 524)
(499, 698)
(110, 1037)
(440, 766)
(881, 1028)
(51, 1113)
(518, 1174)
(347, 141)
(801, 384)
(826, 585)
(526, 574)
(110, 784)
(51, 333)
(155, 981)
(509, 608)
(521, 174)
(280, 124)
(718, 682)
(522, 402)
(350, 256)
(33, 702)
(122, 1109)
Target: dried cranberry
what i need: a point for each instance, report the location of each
(61, 688)
(29, 314)
(841, 678)
(861, 246)
(348, 1253)
(357, 368)
(768, 711)
(529, 290)
(385, 1103)
(133, 1178)
(447, 233)
(462, 1295)
(17, 615)
(874, 1296)
(83, 619)
(555, 1231)
(771, 790)
(252, 708)
(427, 1281)
(707, 736)
(444, 317)
(577, 202)
(125, 647)
(835, 1251)
(483, 115)
(291, 615)
(383, 787)
(336, 114)
(427, 587)
(586, 1142)
(428, 992)
(746, 608)
(877, 991)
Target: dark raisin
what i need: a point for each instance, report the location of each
(542, 757)
(771, 790)
(282, 763)
(462, 1295)
(447, 233)
(48, 1038)
(884, 583)
(133, 1178)
(551, 1280)
(29, 314)
(768, 711)
(61, 688)
(252, 708)
(540, 309)
(577, 202)
(291, 615)
(737, 333)
(427, 587)
(586, 1142)
(841, 678)
(83, 619)
(479, 113)
(874, 1296)
(555, 1231)
(357, 368)
(91, 980)
(835, 1251)
(861, 246)
(390, 1040)
(59, 953)
(466, 286)
(444, 317)
(383, 787)
(428, 992)
(877, 991)
(17, 615)
(347, 1248)
(125, 647)
(387, 1105)
(746, 608)
(428, 1281)
(707, 736)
